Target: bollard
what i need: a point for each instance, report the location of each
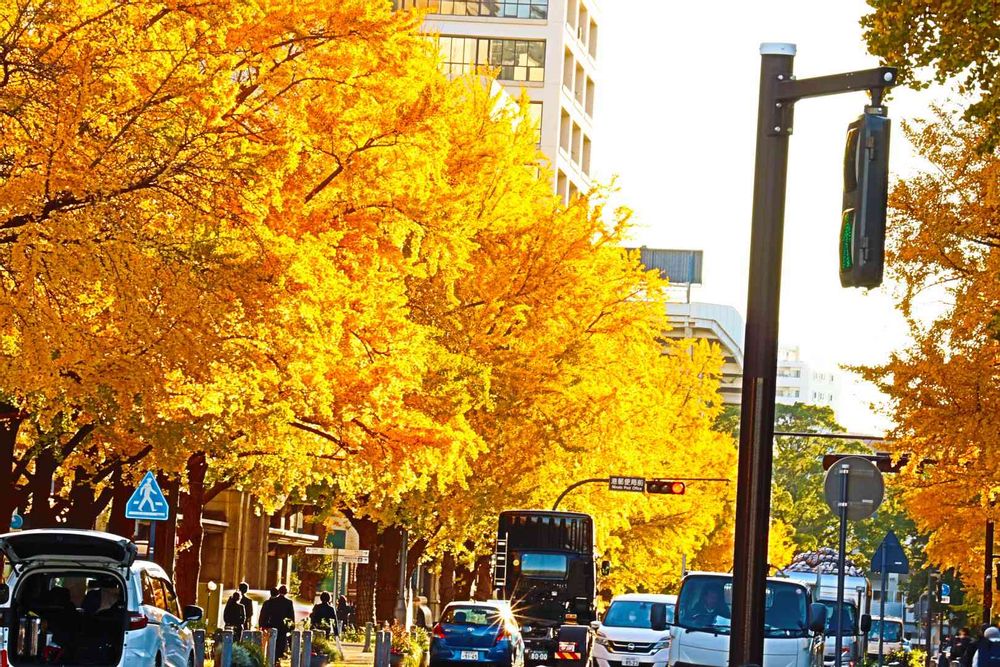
(307, 652)
(252, 637)
(225, 651)
(296, 648)
(199, 648)
(383, 644)
(369, 628)
(270, 639)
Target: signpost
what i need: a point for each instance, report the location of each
(889, 557)
(636, 484)
(853, 489)
(148, 503)
(356, 556)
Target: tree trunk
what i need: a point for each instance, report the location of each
(189, 531)
(446, 581)
(390, 543)
(166, 531)
(484, 579)
(41, 514)
(10, 422)
(463, 582)
(117, 523)
(364, 605)
(414, 554)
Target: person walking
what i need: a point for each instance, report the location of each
(234, 615)
(324, 615)
(959, 646)
(283, 619)
(343, 612)
(247, 604)
(988, 649)
(267, 615)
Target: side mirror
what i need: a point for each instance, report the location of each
(817, 617)
(193, 612)
(866, 623)
(605, 568)
(658, 617)
(4, 593)
(595, 625)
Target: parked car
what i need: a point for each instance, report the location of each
(477, 632)
(625, 636)
(80, 597)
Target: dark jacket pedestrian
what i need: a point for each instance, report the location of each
(960, 645)
(234, 615)
(266, 618)
(988, 648)
(324, 616)
(282, 618)
(344, 612)
(247, 604)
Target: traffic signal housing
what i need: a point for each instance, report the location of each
(668, 486)
(866, 189)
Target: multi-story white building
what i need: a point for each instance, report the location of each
(798, 382)
(547, 48)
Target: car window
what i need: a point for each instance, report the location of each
(148, 592)
(469, 615)
(170, 597)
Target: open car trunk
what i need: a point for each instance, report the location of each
(67, 618)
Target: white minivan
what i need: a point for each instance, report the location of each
(625, 637)
(79, 597)
(699, 636)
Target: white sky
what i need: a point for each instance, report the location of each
(675, 120)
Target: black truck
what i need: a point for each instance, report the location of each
(545, 566)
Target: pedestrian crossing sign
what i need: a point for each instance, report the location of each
(147, 502)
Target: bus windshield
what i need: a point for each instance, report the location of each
(893, 631)
(848, 619)
(705, 604)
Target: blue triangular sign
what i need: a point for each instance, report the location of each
(147, 502)
(892, 551)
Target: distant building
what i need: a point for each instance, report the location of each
(718, 324)
(798, 382)
(547, 48)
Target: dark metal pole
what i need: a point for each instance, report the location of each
(845, 473)
(572, 486)
(881, 609)
(988, 575)
(753, 492)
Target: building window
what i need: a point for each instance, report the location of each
(535, 114)
(789, 372)
(518, 59)
(508, 9)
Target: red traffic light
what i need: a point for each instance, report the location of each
(667, 486)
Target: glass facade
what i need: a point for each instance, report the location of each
(511, 9)
(517, 59)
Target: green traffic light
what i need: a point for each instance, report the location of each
(847, 240)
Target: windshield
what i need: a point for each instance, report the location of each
(633, 614)
(471, 616)
(848, 618)
(544, 566)
(893, 631)
(705, 604)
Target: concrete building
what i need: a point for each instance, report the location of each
(718, 324)
(547, 48)
(798, 382)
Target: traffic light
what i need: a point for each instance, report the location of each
(667, 486)
(866, 188)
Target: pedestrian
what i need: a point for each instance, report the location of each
(247, 604)
(988, 649)
(283, 618)
(324, 615)
(266, 618)
(959, 646)
(344, 612)
(234, 615)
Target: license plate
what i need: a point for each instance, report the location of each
(470, 655)
(538, 655)
(630, 662)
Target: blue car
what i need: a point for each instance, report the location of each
(477, 632)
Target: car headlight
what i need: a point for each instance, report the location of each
(602, 640)
(662, 644)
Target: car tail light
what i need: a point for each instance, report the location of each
(502, 634)
(137, 621)
(3, 657)
(438, 631)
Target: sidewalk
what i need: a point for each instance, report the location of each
(354, 656)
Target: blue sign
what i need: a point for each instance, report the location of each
(891, 556)
(945, 590)
(16, 521)
(147, 502)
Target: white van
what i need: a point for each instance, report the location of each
(892, 635)
(79, 597)
(699, 636)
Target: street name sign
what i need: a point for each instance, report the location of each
(147, 502)
(356, 556)
(636, 484)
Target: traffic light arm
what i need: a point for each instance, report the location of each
(789, 91)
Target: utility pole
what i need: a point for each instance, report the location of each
(779, 91)
(988, 575)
